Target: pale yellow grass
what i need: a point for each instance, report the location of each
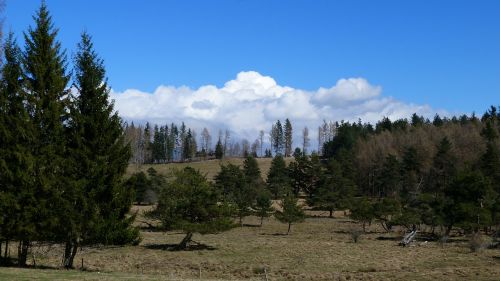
(318, 249)
(210, 168)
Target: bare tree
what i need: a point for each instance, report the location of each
(227, 136)
(261, 136)
(305, 140)
(245, 147)
(206, 140)
(255, 146)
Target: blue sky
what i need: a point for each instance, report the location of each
(441, 54)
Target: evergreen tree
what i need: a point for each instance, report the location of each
(470, 201)
(44, 65)
(443, 168)
(100, 158)
(336, 191)
(147, 145)
(263, 204)
(278, 181)
(191, 204)
(278, 138)
(236, 189)
(291, 212)
(140, 183)
(288, 137)
(388, 180)
(18, 201)
(252, 172)
(362, 210)
(219, 150)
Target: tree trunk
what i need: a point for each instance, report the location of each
(448, 230)
(331, 214)
(185, 241)
(22, 253)
(70, 251)
(6, 248)
(261, 220)
(289, 226)
(364, 227)
(241, 221)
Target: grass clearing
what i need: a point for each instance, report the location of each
(210, 167)
(318, 249)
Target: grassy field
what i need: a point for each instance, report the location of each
(321, 248)
(210, 168)
(318, 249)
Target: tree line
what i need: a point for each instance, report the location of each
(433, 176)
(62, 149)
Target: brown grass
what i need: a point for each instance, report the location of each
(209, 168)
(318, 249)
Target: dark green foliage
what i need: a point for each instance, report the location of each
(140, 183)
(219, 150)
(252, 172)
(278, 181)
(291, 212)
(305, 174)
(278, 138)
(99, 158)
(288, 137)
(18, 201)
(386, 211)
(443, 168)
(45, 79)
(347, 135)
(336, 191)
(191, 204)
(263, 204)
(470, 200)
(388, 180)
(363, 210)
(237, 189)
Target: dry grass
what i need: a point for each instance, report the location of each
(318, 249)
(210, 168)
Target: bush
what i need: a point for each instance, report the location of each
(476, 242)
(355, 235)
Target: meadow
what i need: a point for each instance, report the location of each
(320, 248)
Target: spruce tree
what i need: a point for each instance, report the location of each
(278, 181)
(44, 65)
(288, 137)
(219, 150)
(18, 201)
(100, 157)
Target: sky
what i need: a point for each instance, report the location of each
(241, 64)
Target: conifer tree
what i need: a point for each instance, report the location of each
(291, 212)
(236, 189)
(191, 204)
(219, 150)
(252, 172)
(263, 204)
(288, 137)
(100, 157)
(278, 181)
(18, 202)
(44, 65)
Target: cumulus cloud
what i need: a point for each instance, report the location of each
(252, 102)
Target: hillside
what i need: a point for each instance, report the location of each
(210, 167)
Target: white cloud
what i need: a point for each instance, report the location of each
(252, 102)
